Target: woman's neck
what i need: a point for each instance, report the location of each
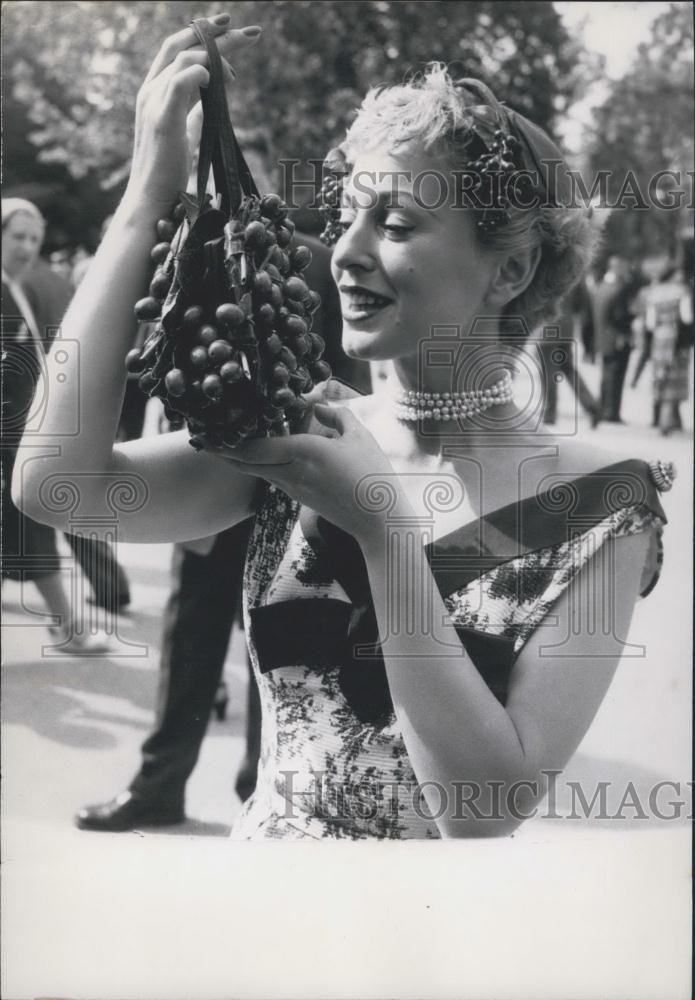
(501, 425)
(408, 379)
(441, 369)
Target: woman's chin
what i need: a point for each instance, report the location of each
(364, 345)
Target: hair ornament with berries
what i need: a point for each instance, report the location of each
(518, 189)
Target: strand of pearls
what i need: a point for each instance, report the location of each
(411, 405)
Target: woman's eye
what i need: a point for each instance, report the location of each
(396, 228)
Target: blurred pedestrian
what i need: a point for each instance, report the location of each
(642, 339)
(29, 550)
(611, 301)
(558, 357)
(580, 299)
(61, 264)
(668, 333)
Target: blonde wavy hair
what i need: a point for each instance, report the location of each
(439, 113)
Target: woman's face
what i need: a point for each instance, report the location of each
(22, 238)
(401, 267)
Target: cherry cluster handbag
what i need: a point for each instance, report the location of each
(231, 351)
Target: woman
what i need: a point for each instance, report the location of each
(668, 329)
(451, 547)
(28, 548)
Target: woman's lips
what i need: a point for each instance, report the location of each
(360, 304)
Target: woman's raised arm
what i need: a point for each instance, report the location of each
(184, 494)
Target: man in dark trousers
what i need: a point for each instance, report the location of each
(560, 361)
(611, 301)
(203, 604)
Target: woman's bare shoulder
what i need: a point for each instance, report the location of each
(581, 457)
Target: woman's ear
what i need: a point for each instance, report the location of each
(513, 276)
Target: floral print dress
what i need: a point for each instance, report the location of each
(325, 770)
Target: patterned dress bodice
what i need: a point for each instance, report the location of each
(325, 773)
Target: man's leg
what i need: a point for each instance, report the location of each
(197, 624)
(581, 390)
(644, 356)
(248, 772)
(622, 362)
(548, 369)
(608, 386)
(106, 577)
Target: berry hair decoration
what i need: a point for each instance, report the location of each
(335, 169)
(494, 162)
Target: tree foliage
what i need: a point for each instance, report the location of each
(644, 126)
(72, 71)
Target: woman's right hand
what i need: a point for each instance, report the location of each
(161, 152)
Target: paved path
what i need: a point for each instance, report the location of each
(180, 913)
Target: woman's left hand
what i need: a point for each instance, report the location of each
(323, 471)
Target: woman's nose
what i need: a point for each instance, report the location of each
(354, 249)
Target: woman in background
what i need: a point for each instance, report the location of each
(667, 309)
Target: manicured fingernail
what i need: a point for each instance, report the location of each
(253, 31)
(221, 18)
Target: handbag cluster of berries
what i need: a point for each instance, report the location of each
(231, 349)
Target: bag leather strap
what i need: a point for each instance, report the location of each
(219, 147)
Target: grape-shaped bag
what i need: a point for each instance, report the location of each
(231, 349)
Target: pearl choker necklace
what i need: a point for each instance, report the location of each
(412, 405)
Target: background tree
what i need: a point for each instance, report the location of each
(645, 125)
(69, 100)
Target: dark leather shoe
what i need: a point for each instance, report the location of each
(126, 812)
(245, 784)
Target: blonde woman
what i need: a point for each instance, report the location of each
(430, 517)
